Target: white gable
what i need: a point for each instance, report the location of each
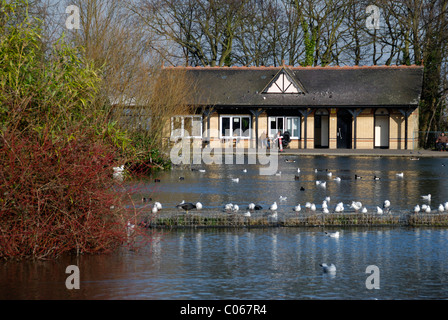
(283, 84)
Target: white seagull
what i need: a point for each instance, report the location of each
(236, 179)
(441, 208)
(337, 179)
(379, 210)
(328, 268)
(339, 207)
(118, 173)
(313, 207)
(428, 209)
(332, 234)
(297, 208)
(386, 205)
(198, 205)
(400, 174)
(428, 197)
(356, 205)
(417, 209)
(273, 207)
(282, 198)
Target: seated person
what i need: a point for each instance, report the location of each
(441, 142)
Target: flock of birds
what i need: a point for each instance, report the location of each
(340, 207)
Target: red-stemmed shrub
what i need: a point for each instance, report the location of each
(58, 196)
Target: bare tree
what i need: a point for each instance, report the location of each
(204, 29)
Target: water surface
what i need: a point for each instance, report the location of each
(260, 264)
(272, 263)
(214, 187)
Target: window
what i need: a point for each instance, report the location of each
(235, 126)
(291, 124)
(186, 127)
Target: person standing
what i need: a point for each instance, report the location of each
(279, 140)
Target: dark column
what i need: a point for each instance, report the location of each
(207, 114)
(355, 113)
(406, 113)
(305, 113)
(256, 114)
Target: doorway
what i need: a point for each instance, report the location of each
(321, 129)
(381, 128)
(344, 129)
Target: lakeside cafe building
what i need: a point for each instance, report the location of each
(321, 107)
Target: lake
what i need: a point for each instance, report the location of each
(214, 187)
(255, 264)
(265, 263)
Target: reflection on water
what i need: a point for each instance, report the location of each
(268, 264)
(214, 188)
